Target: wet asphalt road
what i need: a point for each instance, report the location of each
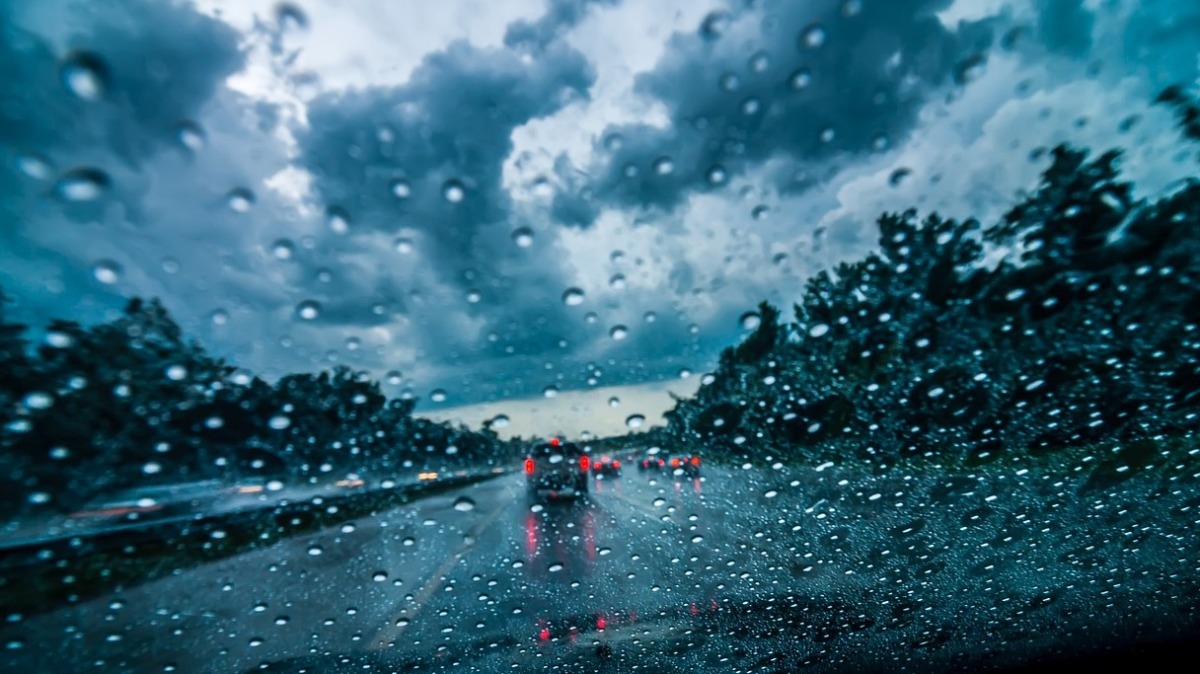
(479, 569)
(817, 567)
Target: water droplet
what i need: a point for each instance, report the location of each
(219, 317)
(550, 391)
(106, 271)
(37, 400)
(408, 542)
(650, 317)
(379, 576)
(618, 332)
(812, 37)
(393, 377)
(664, 166)
(614, 401)
(170, 265)
(337, 219)
(898, 176)
(279, 422)
(151, 468)
(34, 166)
(453, 191)
(523, 237)
(403, 245)
(760, 62)
(82, 184)
(240, 199)
(590, 317)
(635, 420)
(84, 74)
(308, 310)
(283, 249)
(464, 504)
(750, 320)
(828, 134)
(437, 395)
(617, 282)
(801, 79)
(659, 502)
(818, 330)
(760, 212)
(176, 372)
(474, 296)
(751, 106)
(572, 297)
(39, 498)
(500, 421)
(851, 8)
(717, 175)
(315, 550)
(697, 539)
(730, 82)
(714, 25)
(970, 69)
(290, 17)
(59, 340)
(684, 373)
(880, 142)
(400, 188)
(191, 136)
(255, 642)
(555, 567)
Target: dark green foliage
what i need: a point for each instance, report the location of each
(134, 392)
(1071, 321)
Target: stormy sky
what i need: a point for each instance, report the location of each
(495, 200)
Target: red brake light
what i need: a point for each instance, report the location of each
(553, 442)
(529, 466)
(674, 463)
(695, 461)
(584, 462)
(616, 464)
(544, 635)
(601, 623)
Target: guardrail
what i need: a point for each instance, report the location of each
(43, 574)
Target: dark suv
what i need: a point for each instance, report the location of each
(557, 469)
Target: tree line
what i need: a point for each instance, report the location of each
(132, 402)
(1072, 321)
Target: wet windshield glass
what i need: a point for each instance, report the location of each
(598, 335)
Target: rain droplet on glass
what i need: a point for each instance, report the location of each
(85, 75)
(308, 309)
(240, 199)
(106, 272)
(82, 184)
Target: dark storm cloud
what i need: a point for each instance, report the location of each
(443, 137)
(157, 62)
(152, 67)
(424, 160)
(560, 16)
(801, 82)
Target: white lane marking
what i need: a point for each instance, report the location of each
(387, 635)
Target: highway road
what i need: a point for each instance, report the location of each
(740, 570)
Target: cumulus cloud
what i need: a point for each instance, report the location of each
(808, 82)
(436, 199)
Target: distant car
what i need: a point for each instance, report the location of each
(557, 469)
(607, 466)
(651, 462)
(687, 466)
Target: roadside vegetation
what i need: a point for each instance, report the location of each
(1072, 323)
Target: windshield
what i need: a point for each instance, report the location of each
(598, 335)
